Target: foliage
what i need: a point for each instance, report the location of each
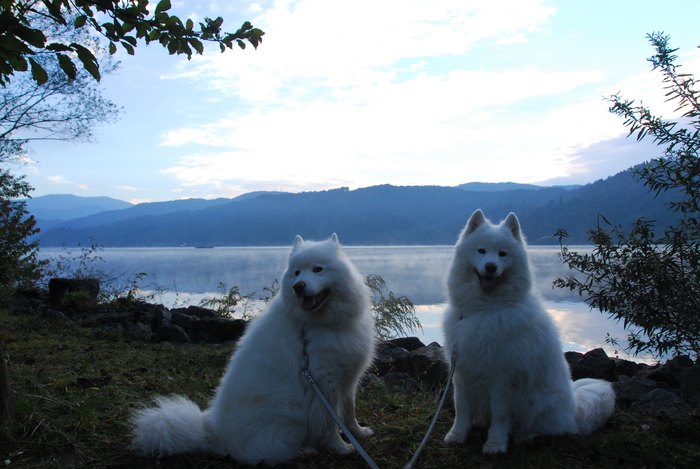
(121, 22)
(88, 262)
(232, 302)
(393, 316)
(61, 108)
(19, 264)
(652, 282)
(73, 395)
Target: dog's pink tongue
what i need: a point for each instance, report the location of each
(487, 284)
(308, 304)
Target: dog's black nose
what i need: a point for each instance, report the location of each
(491, 268)
(299, 287)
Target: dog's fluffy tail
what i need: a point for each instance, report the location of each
(175, 425)
(595, 403)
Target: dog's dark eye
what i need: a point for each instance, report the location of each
(317, 269)
(297, 272)
(482, 251)
(502, 254)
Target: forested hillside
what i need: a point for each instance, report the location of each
(379, 215)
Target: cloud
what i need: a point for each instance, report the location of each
(59, 179)
(367, 100)
(332, 45)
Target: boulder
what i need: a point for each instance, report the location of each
(661, 400)
(408, 343)
(390, 359)
(689, 384)
(592, 364)
(427, 365)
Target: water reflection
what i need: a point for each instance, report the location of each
(417, 272)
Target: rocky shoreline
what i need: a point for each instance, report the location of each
(404, 364)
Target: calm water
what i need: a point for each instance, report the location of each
(414, 271)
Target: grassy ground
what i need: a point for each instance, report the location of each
(73, 393)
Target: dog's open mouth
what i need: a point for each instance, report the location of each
(487, 283)
(311, 303)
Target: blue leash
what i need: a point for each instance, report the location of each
(307, 374)
(437, 412)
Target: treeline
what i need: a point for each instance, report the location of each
(379, 215)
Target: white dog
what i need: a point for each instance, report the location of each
(264, 410)
(510, 372)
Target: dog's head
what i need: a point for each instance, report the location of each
(311, 275)
(488, 254)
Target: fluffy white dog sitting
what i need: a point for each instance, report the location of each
(510, 372)
(264, 410)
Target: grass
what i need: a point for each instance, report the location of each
(73, 393)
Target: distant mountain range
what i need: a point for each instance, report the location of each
(379, 215)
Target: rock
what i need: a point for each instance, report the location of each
(427, 365)
(390, 359)
(593, 364)
(678, 363)
(661, 399)
(139, 332)
(408, 343)
(58, 287)
(689, 384)
(172, 333)
(217, 330)
(197, 311)
(631, 390)
(660, 374)
(626, 367)
(183, 320)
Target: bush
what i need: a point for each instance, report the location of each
(648, 281)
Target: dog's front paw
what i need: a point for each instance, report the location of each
(363, 432)
(344, 448)
(454, 437)
(493, 447)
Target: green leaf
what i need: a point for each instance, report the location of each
(55, 11)
(58, 47)
(17, 63)
(33, 36)
(197, 45)
(189, 25)
(163, 5)
(172, 46)
(129, 48)
(38, 73)
(80, 21)
(67, 66)
(112, 48)
(88, 59)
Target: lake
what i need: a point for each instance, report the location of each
(418, 272)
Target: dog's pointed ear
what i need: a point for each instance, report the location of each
(334, 238)
(512, 223)
(298, 240)
(475, 221)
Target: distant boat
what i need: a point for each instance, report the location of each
(204, 247)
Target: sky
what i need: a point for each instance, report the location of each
(362, 93)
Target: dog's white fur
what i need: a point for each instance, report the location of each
(265, 410)
(510, 372)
